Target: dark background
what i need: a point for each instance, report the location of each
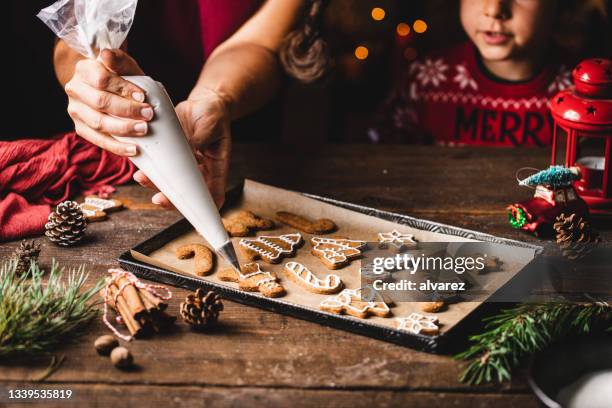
(338, 110)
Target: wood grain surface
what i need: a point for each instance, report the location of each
(258, 357)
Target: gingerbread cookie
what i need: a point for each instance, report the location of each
(432, 307)
(92, 213)
(419, 324)
(106, 205)
(270, 249)
(336, 252)
(306, 279)
(204, 257)
(253, 279)
(320, 226)
(244, 222)
(396, 239)
(350, 301)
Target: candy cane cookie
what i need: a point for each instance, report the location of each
(306, 279)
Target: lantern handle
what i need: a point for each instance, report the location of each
(522, 169)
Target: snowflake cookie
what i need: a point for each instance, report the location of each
(417, 323)
(396, 239)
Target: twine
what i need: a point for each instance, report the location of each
(132, 280)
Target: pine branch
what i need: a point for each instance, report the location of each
(524, 330)
(37, 314)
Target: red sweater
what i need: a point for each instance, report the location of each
(449, 99)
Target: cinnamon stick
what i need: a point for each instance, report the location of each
(151, 301)
(132, 298)
(121, 307)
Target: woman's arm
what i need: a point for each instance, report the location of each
(244, 70)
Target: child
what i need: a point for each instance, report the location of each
(492, 90)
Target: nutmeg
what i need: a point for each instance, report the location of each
(105, 344)
(121, 358)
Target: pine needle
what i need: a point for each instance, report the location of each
(515, 333)
(36, 314)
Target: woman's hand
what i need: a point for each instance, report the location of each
(102, 103)
(206, 121)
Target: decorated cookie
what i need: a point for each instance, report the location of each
(306, 279)
(419, 324)
(336, 252)
(396, 239)
(320, 226)
(270, 249)
(92, 213)
(432, 307)
(350, 301)
(203, 256)
(106, 205)
(253, 279)
(244, 222)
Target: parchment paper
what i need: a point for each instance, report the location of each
(266, 200)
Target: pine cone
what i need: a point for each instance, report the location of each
(201, 309)
(66, 224)
(575, 236)
(27, 252)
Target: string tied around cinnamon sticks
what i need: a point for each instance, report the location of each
(140, 305)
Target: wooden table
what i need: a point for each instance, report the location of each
(258, 357)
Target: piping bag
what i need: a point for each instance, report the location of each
(164, 154)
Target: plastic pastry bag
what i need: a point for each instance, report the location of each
(89, 26)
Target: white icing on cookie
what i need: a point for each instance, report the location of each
(418, 324)
(266, 277)
(102, 203)
(397, 239)
(350, 301)
(336, 251)
(268, 248)
(331, 282)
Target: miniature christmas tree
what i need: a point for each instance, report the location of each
(554, 177)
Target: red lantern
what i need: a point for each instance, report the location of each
(583, 132)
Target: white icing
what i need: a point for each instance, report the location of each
(396, 238)
(345, 301)
(100, 203)
(341, 249)
(271, 250)
(330, 282)
(416, 323)
(267, 276)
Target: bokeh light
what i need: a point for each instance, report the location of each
(419, 26)
(378, 13)
(402, 29)
(362, 52)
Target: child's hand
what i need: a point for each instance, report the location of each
(206, 121)
(102, 103)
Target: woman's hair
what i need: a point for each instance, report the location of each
(582, 27)
(304, 53)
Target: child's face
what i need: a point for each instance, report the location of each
(508, 29)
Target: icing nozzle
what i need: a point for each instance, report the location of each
(228, 253)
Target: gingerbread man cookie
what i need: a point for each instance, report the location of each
(244, 222)
(204, 257)
(305, 278)
(253, 279)
(270, 249)
(336, 252)
(350, 301)
(417, 323)
(320, 226)
(396, 239)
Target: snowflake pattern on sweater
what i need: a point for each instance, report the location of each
(449, 99)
